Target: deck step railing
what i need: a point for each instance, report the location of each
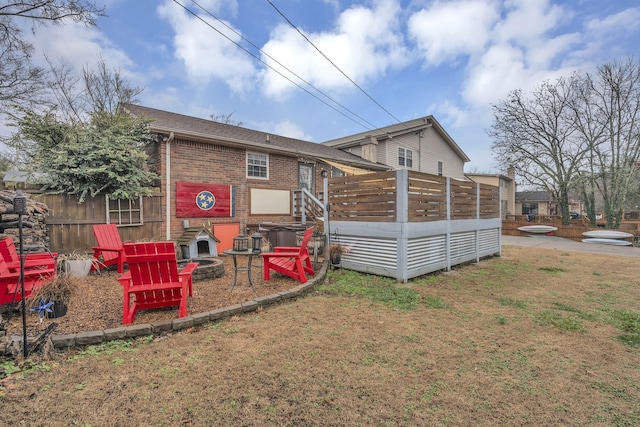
(307, 207)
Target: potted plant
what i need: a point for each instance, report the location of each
(77, 263)
(52, 298)
(335, 253)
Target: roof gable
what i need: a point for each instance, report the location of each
(209, 131)
(403, 128)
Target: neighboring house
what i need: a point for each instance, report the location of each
(543, 203)
(15, 179)
(507, 185)
(421, 145)
(536, 203)
(251, 174)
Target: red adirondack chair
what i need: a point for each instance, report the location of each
(290, 261)
(46, 262)
(109, 250)
(153, 279)
(10, 286)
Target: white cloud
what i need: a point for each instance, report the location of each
(208, 52)
(528, 20)
(284, 127)
(215, 6)
(625, 21)
(290, 129)
(448, 30)
(79, 46)
(365, 43)
(451, 114)
(518, 50)
(607, 35)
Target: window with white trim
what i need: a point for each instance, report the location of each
(124, 212)
(257, 165)
(405, 157)
(440, 168)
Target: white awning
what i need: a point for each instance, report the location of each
(349, 170)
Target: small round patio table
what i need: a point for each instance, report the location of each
(235, 254)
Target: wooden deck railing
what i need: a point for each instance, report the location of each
(375, 197)
(363, 197)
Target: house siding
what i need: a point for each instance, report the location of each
(435, 149)
(427, 151)
(507, 191)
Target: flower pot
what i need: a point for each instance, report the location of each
(78, 267)
(335, 259)
(59, 309)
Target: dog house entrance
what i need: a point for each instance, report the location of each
(197, 242)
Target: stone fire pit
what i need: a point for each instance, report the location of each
(208, 268)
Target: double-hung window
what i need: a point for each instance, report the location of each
(405, 157)
(257, 165)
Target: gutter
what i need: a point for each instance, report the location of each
(168, 185)
(243, 144)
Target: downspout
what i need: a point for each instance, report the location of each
(420, 135)
(168, 185)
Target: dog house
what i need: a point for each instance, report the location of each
(197, 242)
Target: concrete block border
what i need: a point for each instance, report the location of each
(65, 342)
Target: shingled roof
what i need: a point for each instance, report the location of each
(399, 129)
(208, 131)
(533, 196)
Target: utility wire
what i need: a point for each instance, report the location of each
(282, 65)
(331, 62)
(269, 66)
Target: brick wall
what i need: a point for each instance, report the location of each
(215, 164)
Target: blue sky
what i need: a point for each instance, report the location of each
(449, 59)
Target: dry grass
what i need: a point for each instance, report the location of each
(536, 337)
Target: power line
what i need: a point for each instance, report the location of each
(282, 65)
(272, 68)
(331, 62)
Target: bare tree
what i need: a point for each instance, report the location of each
(106, 88)
(536, 136)
(581, 133)
(591, 127)
(227, 119)
(66, 94)
(98, 90)
(74, 101)
(20, 80)
(614, 96)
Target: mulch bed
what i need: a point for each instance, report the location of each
(97, 303)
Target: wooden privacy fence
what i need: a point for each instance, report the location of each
(69, 224)
(369, 197)
(374, 197)
(404, 224)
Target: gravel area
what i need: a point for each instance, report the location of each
(97, 302)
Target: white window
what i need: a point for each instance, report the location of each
(124, 212)
(405, 157)
(257, 165)
(439, 168)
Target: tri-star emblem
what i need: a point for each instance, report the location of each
(205, 200)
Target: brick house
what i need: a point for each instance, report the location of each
(261, 170)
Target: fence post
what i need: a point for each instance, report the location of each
(325, 197)
(478, 221)
(402, 218)
(448, 235)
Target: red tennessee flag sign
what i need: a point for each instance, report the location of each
(194, 200)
